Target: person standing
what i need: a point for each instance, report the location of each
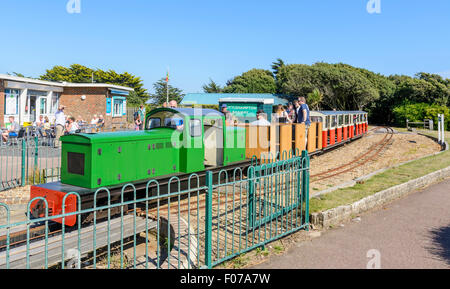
(303, 115)
(138, 123)
(60, 124)
(291, 113)
(141, 112)
(228, 115)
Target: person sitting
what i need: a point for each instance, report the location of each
(72, 126)
(261, 119)
(12, 130)
(39, 124)
(94, 120)
(101, 122)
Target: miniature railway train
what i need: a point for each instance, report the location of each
(175, 142)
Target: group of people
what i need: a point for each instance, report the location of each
(295, 112)
(69, 125)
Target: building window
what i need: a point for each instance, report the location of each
(119, 106)
(54, 103)
(43, 106)
(12, 101)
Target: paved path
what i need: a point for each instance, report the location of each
(413, 232)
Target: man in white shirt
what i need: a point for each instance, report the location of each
(261, 119)
(60, 124)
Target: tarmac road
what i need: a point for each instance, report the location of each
(413, 232)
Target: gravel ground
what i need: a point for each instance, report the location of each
(403, 147)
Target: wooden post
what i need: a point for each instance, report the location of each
(320, 137)
(300, 142)
(285, 139)
(312, 137)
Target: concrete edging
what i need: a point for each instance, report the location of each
(342, 213)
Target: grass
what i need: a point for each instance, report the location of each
(382, 181)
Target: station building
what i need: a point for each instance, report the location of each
(243, 106)
(26, 99)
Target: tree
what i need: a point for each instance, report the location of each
(160, 95)
(276, 66)
(314, 99)
(343, 88)
(212, 87)
(77, 73)
(252, 81)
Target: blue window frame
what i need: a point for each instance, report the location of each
(11, 101)
(119, 106)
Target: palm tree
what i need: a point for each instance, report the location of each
(314, 99)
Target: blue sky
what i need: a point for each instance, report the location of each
(219, 39)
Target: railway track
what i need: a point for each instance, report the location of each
(362, 159)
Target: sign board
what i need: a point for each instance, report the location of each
(243, 110)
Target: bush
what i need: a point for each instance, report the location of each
(419, 112)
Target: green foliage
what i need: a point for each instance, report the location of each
(276, 66)
(212, 87)
(418, 112)
(77, 73)
(343, 87)
(160, 95)
(252, 81)
(314, 99)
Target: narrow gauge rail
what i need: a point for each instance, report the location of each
(359, 161)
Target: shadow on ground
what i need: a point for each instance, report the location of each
(441, 243)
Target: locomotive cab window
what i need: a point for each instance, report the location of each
(195, 127)
(154, 123)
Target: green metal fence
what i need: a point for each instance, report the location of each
(28, 161)
(179, 223)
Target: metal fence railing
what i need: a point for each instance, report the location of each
(194, 222)
(29, 161)
(33, 159)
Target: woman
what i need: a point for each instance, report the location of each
(291, 112)
(71, 126)
(281, 115)
(137, 123)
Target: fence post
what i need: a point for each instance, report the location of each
(208, 220)
(23, 162)
(251, 197)
(36, 152)
(305, 186)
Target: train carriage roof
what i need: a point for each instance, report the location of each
(190, 111)
(332, 112)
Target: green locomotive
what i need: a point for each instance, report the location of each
(174, 141)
